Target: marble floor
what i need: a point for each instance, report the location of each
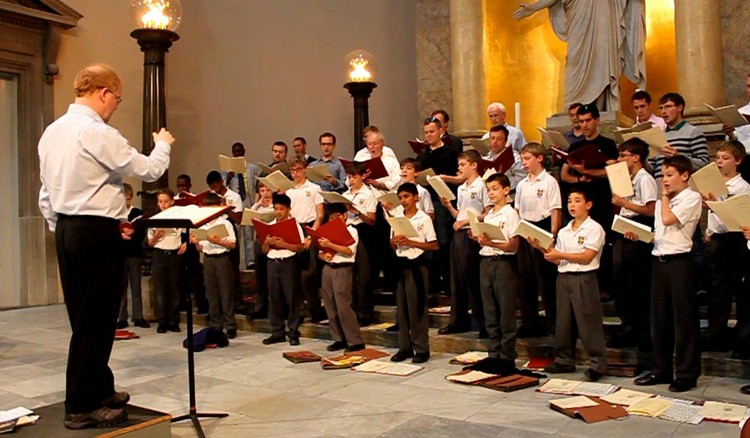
(267, 396)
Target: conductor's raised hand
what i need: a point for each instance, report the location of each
(163, 135)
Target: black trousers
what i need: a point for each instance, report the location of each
(631, 275)
(166, 273)
(261, 279)
(465, 293)
(538, 277)
(675, 324)
(218, 275)
(363, 299)
(284, 296)
(191, 278)
(440, 260)
(91, 258)
(727, 260)
(411, 301)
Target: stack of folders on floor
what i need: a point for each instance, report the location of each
(349, 360)
(16, 417)
(590, 410)
(513, 382)
(301, 356)
(575, 387)
(538, 363)
(388, 368)
(469, 358)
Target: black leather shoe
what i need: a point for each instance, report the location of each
(556, 368)
(682, 385)
(174, 328)
(121, 324)
(402, 356)
(294, 341)
(161, 329)
(421, 358)
(256, 315)
(118, 401)
(483, 334)
(393, 328)
(651, 380)
(452, 329)
(745, 389)
(142, 323)
(592, 375)
(356, 347)
(102, 417)
(274, 340)
(231, 334)
(364, 322)
(336, 346)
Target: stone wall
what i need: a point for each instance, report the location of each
(433, 57)
(735, 16)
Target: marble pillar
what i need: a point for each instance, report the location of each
(700, 65)
(468, 74)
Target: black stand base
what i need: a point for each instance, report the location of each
(194, 416)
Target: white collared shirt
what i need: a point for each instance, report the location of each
(82, 161)
(305, 198)
(736, 186)
(646, 190)
(171, 240)
(743, 132)
(655, 121)
(426, 231)
(212, 248)
(516, 172)
(234, 200)
(425, 203)
(394, 172)
(677, 238)
(536, 199)
(472, 197)
(516, 139)
(276, 254)
(507, 219)
(364, 154)
(363, 200)
(589, 235)
(341, 258)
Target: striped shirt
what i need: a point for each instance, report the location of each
(688, 141)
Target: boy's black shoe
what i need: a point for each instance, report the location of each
(452, 329)
(592, 375)
(142, 323)
(651, 380)
(483, 334)
(174, 328)
(336, 346)
(118, 401)
(102, 417)
(355, 347)
(161, 329)
(256, 315)
(556, 368)
(393, 328)
(294, 341)
(745, 390)
(421, 358)
(121, 324)
(274, 340)
(682, 385)
(231, 333)
(402, 356)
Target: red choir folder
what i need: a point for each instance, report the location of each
(345, 162)
(333, 230)
(287, 230)
(129, 225)
(376, 168)
(417, 146)
(186, 198)
(501, 163)
(589, 155)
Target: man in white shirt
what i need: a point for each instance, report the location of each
(643, 114)
(82, 162)
(364, 154)
(496, 113)
(375, 143)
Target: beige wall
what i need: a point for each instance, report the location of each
(255, 71)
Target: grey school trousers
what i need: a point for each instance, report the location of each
(337, 286)
(218, 275)
(411, 302)
(579, 314)
(284, 296)
(498, 281)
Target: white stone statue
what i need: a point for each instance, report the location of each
(605, 39)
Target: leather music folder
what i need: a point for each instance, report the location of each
(510, 383)
(501, 163)
(417, 146)
(594, 414)
(345, 162)
(333, 230)
(589, 155)
(286, 229)
(376, 168)
(191, 199)
(301, 356)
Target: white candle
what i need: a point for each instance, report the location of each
(518, 115)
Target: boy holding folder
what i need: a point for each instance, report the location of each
(412, 287)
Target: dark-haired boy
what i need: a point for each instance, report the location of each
(283, 278)
(498, 271)
(726, 256)
(412, 287)
(631, 265)
(133, 262)
(641, 101)
(579, 313)
(674, 308)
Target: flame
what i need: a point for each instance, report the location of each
(359, 72)
(155, 17)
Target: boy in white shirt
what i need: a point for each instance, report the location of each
(218, 271)
(465, 294)
(168, 249)
(308, 209)
(498, 271)
(632, 292)
(577, 254)
(537, 201)
(264, 205)
(337, 280)
(675, 324)
(409, 169)
(726, 256)
(283, 278)
(412, 287)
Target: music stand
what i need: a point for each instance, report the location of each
(195, 219)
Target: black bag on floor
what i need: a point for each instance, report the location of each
(208, 335)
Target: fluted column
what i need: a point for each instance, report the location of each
(700, 59)
(467, 60)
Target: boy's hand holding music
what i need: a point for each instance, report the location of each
(630, 235)
(459, 224)
(482, 239)
(745, 232)
(535, 243)
(324, 243)
(669, 151)
(158, 235)
(127, 233)
(618, 200)
(216, 240)
(552, 255)
(163, 135)
(182, 249)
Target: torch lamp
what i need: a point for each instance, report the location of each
(360, 66)
(156, 22)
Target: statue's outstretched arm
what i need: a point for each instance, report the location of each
(529, 9)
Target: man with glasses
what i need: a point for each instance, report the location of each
(83, 161)
(336, 181)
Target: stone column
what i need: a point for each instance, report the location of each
(467, 59)
(700, 59)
